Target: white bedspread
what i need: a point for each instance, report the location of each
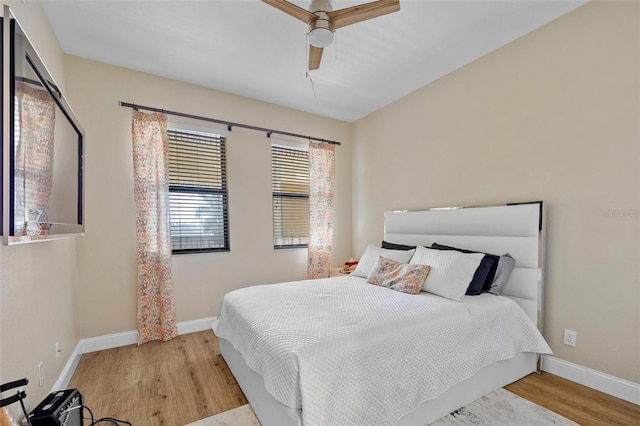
(348, 352)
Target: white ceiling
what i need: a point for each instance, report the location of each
(251, 49)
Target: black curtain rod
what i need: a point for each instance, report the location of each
(30, 81)
(229, 124)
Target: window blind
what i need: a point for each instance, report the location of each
(198, 192)
(290, 180)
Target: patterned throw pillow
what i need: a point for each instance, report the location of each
(398, 276)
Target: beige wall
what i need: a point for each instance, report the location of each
(553, 116)
(37, 280)
(107, 260)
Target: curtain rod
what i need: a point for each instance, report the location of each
(229, 124)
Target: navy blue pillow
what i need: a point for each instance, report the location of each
(484, 275)
(393, 246)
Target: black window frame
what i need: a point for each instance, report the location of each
(215, 137)
(278, 194)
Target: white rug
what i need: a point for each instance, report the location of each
(503, 408)
(241, 416)
(499, 408)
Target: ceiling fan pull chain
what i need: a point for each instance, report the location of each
(306, 50)
(313, 88)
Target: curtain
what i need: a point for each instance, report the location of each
(321, 188)
(33, 162)
(156, 315)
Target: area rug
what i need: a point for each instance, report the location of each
(499, 408)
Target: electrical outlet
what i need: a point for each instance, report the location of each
(40, 373)
(58, 350)
(570, 337)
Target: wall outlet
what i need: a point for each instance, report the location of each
(58, 350)
(570, 337)
(40, 373)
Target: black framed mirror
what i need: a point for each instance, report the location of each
(46, 150)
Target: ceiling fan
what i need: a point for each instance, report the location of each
(323, 20)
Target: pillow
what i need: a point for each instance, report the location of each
(483, 278)
(398, 276)
(394, 246)
(503, 272)
(371, 254)
(451, 271)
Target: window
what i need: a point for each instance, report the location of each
(290, 180)
(197, 191)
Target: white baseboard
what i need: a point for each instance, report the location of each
(109, 341)
(193, 326)
(69, 368)
(620, 388)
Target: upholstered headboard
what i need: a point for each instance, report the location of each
(517, 229)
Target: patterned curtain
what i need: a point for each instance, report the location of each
(33, 160)
(321, 188)
(156, 315)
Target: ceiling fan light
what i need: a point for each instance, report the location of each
(320, 31)
(320, 37)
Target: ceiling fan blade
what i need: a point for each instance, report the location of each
(291, 9)
(351, 15)
(315, 56)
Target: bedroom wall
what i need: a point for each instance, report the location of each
(552, 116)
(37, 280)
(107, 259)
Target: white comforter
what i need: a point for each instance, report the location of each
(347, 352)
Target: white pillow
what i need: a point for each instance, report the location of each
(451, 271)
(371, 254)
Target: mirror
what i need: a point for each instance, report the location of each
(46, 152)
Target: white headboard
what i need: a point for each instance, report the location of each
(516, 228)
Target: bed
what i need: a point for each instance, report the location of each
(376, 364)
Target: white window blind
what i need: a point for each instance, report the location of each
(290, 180)
(198, 191)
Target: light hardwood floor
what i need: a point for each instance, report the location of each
(186, 379)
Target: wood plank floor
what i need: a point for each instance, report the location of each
(159, 383)
(579, 403)
(186, 379)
